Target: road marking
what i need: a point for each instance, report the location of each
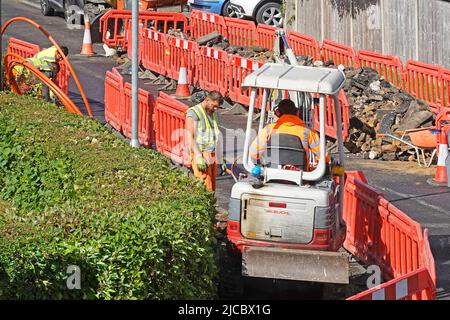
(414, 198)
(31, 4)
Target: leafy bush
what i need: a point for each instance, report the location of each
(75, 194)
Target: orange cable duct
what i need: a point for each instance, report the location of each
(19, 60)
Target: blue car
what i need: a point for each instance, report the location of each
(221, 7)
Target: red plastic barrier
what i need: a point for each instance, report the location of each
(63, 77)
(379, 233)
(265, 36)
(390, 67)
(406, 287)
(178, 49)
(424, 82)
(241, 32)
(145, 110)
(212, 71)
(114, 99)
(339, 53)
(445, 94)
(239, 69)
(203, 23)
(113, 24)
(22, 48)
(330, 116)
(304, 45)
(154, 55)
(169, 124)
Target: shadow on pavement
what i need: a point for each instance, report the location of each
(440, 246)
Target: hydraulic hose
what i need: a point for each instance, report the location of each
(53, 41)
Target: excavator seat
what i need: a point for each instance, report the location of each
(284, 150)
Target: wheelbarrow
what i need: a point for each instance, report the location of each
(422, 139)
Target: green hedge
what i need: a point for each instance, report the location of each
(76, 194)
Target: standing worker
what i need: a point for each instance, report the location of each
(203, 134)
(48, 62)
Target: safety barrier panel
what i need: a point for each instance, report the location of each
(63, 77)
(212, 71)
(239, 69)
(389, 67)
(22, 48)
(145, 111)
(169, 123)
(339, 53)
(381, 234)
(114, 99)
(423, 81)
(241, 32)
(178, 50)
(113, 24)
(154, 55)
(265, 36)
(445, 88)
(203, 23)
(330, 116)
(304, 45)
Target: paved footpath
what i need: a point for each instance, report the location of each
(402, 183)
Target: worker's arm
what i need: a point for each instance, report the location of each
(314, 145)
(192, 144)
(259, 144)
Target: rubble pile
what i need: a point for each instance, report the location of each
(377, 107)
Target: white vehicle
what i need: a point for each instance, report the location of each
(262, 11)
(284, 223)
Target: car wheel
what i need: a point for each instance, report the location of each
(270, 14)
(46, 9)
(227, 11)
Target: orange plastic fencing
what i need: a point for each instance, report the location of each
(389, 67)
(145, 111)
(241, 32)
(212, 71)
(22, 48)
(265, 36)
(114, 99)
(406, 287)
(113, 24)
(381, 234)
(154, 56)
(304, 45)
(330, 116)
(445, 89)
(424, 82)
(339, 53)
(203, 23)
(63, 77)
(179, 49)
(239, 69)
(169, 125)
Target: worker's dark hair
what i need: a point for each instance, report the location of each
(65, 50)
(215, 96)
(287, 106)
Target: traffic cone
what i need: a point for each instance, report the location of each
(87, 49)
(183, 87)
(440, 176)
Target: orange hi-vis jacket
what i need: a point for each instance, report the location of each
(287, 124)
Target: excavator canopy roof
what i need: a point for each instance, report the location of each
(296, 78)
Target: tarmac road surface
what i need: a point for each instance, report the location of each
(405, 186)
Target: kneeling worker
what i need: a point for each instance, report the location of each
(203, 134)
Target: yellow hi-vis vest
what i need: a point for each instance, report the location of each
(43, 59)
(206, 136)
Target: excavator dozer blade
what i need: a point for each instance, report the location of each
(293, 264)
